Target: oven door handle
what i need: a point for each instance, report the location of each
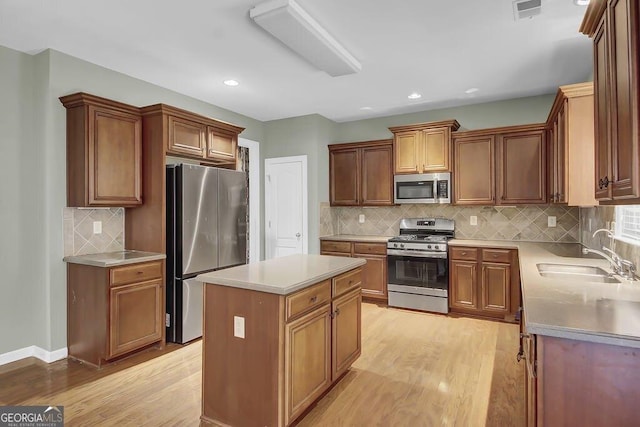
(417, 254)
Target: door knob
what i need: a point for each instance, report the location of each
(298, 235)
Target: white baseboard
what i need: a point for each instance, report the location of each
(33, 351)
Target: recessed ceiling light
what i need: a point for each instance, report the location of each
(471, 90)
(581, 2)
(366, 108)
(415, 95)
(231, 82)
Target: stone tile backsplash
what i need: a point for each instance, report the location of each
(79, 238)
(600, 216)
(527, 223)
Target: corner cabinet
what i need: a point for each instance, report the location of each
(484, 282)
(423, 147)
(374, 272)
(114, 311)
(104, 152)
(614, 26)
(500, 166)
(306, 340)
(571, 149)
(361, 173)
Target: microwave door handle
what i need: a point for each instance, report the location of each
(435, 189)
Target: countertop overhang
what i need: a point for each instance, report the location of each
(607, 313)
(114, 259)
(284, 275)
(357, 238)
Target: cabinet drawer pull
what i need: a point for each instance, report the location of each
(463, 252)
(313, 299)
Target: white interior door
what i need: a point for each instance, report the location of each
(285, 194)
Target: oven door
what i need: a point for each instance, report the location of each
(424, 273)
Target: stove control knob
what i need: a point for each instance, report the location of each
(402, 245)
(429, 247)
(395, 245)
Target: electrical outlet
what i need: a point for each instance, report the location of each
(361, 218)
(238, 327)
(551, 221)
(97, 227)
(473, 220)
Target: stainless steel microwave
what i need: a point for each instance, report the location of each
(422, 188)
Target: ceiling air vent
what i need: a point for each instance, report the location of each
(526, 8)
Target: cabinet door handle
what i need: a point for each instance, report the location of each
(605, 181)
(337, 311)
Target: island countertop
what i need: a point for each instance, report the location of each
(284, 275)
(607, 313)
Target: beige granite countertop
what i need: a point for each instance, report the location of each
(114, 259)
(357, 238)
(282, 275)
(606, 313)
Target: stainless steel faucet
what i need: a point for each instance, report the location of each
(620, 266)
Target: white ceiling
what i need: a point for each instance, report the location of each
(439, 48)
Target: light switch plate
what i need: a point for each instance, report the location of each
(551, 221)
(97, 227)
(238, 327)
(361, 218)
(473, 220)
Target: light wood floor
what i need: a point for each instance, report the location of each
(416, 369)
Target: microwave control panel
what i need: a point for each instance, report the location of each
(443, 189)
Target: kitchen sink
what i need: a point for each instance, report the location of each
(586, 273)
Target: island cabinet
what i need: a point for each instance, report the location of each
(484, 282)
(423, 147)
(577, 383)
(614, 26)
(114, 311)
(268, 357)
(500, 166)
(104, 152)
(361, 174)
(374, 272)
(570, 130)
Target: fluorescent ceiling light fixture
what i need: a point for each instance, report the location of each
(471, 90)
(414, 95)
(581, 2)
(294, 27)
(231, 82)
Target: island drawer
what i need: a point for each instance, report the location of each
(347, 281)
(463, 253)
(334, 246)
(496, 255)
(370, 248)
(136, 273)
(307, 299)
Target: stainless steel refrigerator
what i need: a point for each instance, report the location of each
(206, 231)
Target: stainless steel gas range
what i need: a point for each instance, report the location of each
(417, 264)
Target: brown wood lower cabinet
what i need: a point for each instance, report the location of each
(374, 281)
(579, 383)
(484, 281)
(114, 311)
(294, 348)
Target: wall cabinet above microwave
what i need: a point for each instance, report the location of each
(423, 147)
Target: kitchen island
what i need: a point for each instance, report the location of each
(277, 334)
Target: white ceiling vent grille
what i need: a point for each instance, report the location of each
(526, 8)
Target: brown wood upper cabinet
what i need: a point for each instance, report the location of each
(423, 147)
(360, 173)
(104, 152)
(614, 26)
(570, 130)
(501, 166)
(198, 137)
